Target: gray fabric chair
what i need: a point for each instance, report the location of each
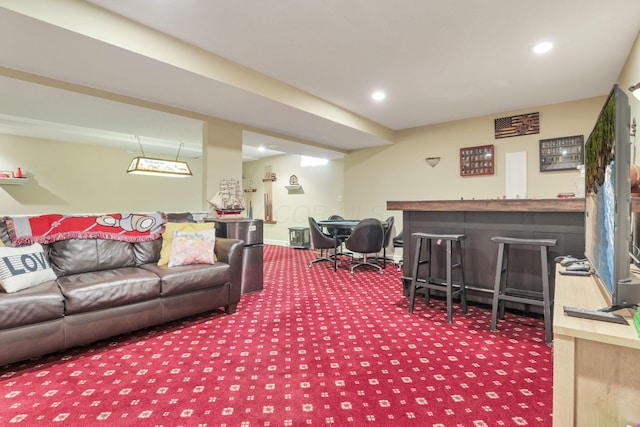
(320, 241)
(366, 238)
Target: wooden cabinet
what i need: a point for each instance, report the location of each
(596, 369)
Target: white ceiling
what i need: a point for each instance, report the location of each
(437, 61)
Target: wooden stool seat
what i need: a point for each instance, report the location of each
(429, 281)
(502, 293)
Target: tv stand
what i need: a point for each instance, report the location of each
(595, 364)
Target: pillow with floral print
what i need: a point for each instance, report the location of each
(192, 247)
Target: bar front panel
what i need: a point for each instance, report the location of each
(480, 254)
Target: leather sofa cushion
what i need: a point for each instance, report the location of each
(146, 252)
(188, 278)
(34, 305)
(83, 255)
(110, 288)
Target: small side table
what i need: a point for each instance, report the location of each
(299, 237)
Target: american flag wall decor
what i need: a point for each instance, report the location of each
(524, 124)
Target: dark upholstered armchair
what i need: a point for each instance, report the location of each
(388, 228)
(320, 241)
(366, 238)
(341, 233)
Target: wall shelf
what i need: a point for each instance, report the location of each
(13, 181)
(293, 187)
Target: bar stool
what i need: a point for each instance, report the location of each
(502, 293)
(429, 282)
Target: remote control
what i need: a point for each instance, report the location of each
(578, 266)
(595, 315)
(575, 273)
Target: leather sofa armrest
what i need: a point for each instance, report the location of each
(231, 251)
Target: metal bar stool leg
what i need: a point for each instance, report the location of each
(463, 290)
(414, 275)
(546, 297)
(497, 287)
(427, 290)
(505, 280)
(449, 289)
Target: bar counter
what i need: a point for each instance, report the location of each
(497, 205)
(480, 220)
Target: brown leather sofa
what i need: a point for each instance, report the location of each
(105, 288)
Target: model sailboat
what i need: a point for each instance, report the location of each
(229, 198)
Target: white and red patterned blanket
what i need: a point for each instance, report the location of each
(127, 227)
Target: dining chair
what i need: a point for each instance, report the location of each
(366, 238)
(387, 226)
(340, 233)
(320, 241)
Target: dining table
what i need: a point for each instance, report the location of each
(333, 225)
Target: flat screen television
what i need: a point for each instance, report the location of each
(608, 201)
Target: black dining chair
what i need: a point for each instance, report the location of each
(388, 228)
(320, 241)
(366, 238)
(341, 234)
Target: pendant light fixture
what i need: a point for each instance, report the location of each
(143, 165)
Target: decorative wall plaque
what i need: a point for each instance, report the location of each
(561, 153)
(524, 124)
(476, 160)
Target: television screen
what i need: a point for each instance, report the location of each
(608, 199)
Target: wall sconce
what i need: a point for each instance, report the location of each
(433, 161)
(635, 90)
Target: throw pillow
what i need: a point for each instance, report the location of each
(24, 267)
(170, 228)
(192, 247)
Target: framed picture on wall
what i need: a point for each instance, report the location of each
(561, 153)
(476, 160)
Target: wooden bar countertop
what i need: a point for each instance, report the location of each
(496, 205)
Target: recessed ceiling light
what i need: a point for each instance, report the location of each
(543, 47)
(378, 95)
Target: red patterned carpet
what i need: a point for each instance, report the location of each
(314, 348)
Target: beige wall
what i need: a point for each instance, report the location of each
(222, 156)
(319, 197)
(75, 178)
(400, 172)
(629, 76)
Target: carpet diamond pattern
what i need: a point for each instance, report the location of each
(316, 347)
